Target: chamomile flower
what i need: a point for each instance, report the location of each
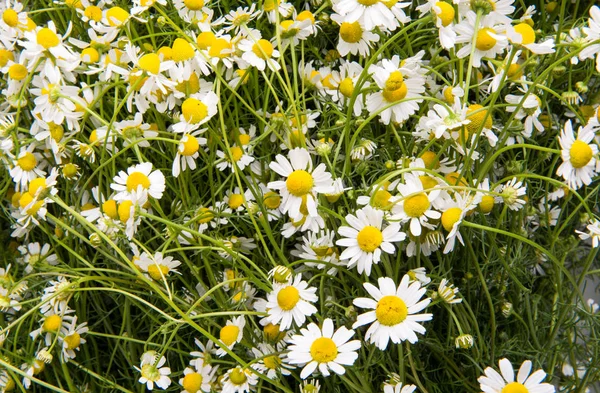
(370, 13)
(187, 152)
(343, 83)
(196, 110)
(153, 372)
(302, 184)
(291, 303)
(231, 334)
(27, 166)
(504, 382)
(138, 178)
(593, 232)
(512, 192)
(365, 238)
(240, 156)
(70, 338)
(323, 348)
(259, 52)
(198, 377)
(454, 210)
(158, 266)
(529, 110)
(416, 204)
(270, 363)
(447, 292)
(394, 314)
(578, 154)
(487, 39)
(398, 388)
(354, 38)
(34, 254)
(239, 380)
(523, 34)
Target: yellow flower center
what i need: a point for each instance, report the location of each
(430, 160)
(288, 297)
(229, 334)
(448, 95)
(346, 87)
(272, 200)
(487, 204)
(395, 89)
(90, 55)
(150, 63)
(351, 32)
(269, 5)
(244, 139)
(428, 182)
(182, 50)
(218, 46)
(194, 110)
(381, 200)
(299, 183)
(74, 3)
(451, 217)
(272, 362)
(446, 14)
(137, 179)
(306, 15)
(27, 162)
(415, 206)
(391, 310)
(236, 153)
(10, 17)
(190, 146)
(73, 340)
(273, 333)
(477, 119)
(237, 376)
(368, 3)
(47, 38)
(26, 199)
(17, 72)
(526, 32)
(194, 5)
(52, 323)
(484, 40)
(514, 71)
(323, 350)
(116, 16)
(515, 387)
(192, 382)
(205, 215)
(94, 13)
(110, 208)
(263, 49)
(205, 39)
(157, 272)
(125, 211)
(369, 238)
(235, 201)
(37, 184)
(580, 154)
(5, 56)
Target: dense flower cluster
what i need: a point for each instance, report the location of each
(282, 196)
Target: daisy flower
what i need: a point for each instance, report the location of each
(291, 303)
(354, 38)
(70, 338)
(488, 39)
(198, 377)
(231, 334)
(592, 33)
(343, 83)
(398, 388)
(454, 210)
(511, 193)
(416, 205)
(400, 85)
(187, 152)
(240, 17)
(394, 311)
(34, 255)
(26, 167)
(302, 183)
(135, 130)
(593, 232)
(238, 155)
(530, 111)
(196, 110)
(324, 349)
(447, 292)
(138, 177)
(504, 382)
(365, 238)
(578, 154)
(259, 52)
(269, 362)
(370, 13)
(239, 380)
(523, 34)
(153, 372)
(157, 266)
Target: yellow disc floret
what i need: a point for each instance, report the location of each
(288, 297)
(192, 382)
(150, 63)
(17, 72)
(580, 154)
(73, 340)
(229, 334)
(484, 40)
(235, 201)
(515, 387)
(351, 32)
(391, 310)
(194, 110)
(323, 350)
(27, 162)
(190, 146)
(526, 32)
(116, 16)
(182, 50)
(137, 179)
(10, 17)
(451, 217)
(237, 376)
(194, 5)
(47, 38)
(369, 238)
(346, 87)
(52, 323)
(446, 13)
(415, 206)
(263, 49)
(299, 183)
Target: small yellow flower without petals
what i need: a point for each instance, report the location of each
(447, 12)
(70, 170)
(391, 310)
(17, 72)
(430, 160)
(52, 323)
(323, 350)
(351, 32)
(194, 110)
(124, 210)
(288, 297)
(484, 40)
(415, 206)
(580, 154)
(229, 334)
(116, 16)
(263, 49)
(527, 33)
(10, 17)
(299, 183)
(150, 63)
(450, 217)
(194, 5)
(182, 50)
(428, 182)
(192, 382)
(369, 238)
(477, 119)
(395, 89)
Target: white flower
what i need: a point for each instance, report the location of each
(354, 38)
(494, 382)
(270, 363)
(157, 266)
(324, 349)
(259, 52)
(524, 34)
(196, 110)
(447, 292)
(488, 40)
(416, 204)
(398, 388)
(153, 371)
(231, 334)
(139, 177)
(198, 377)
(370, 13)
(394, 311)
(365, 238)
(302, 183)
(187, 152)
(593, 228)
(287, 303)
(511, 193)
(578, 154)
(239, 380)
